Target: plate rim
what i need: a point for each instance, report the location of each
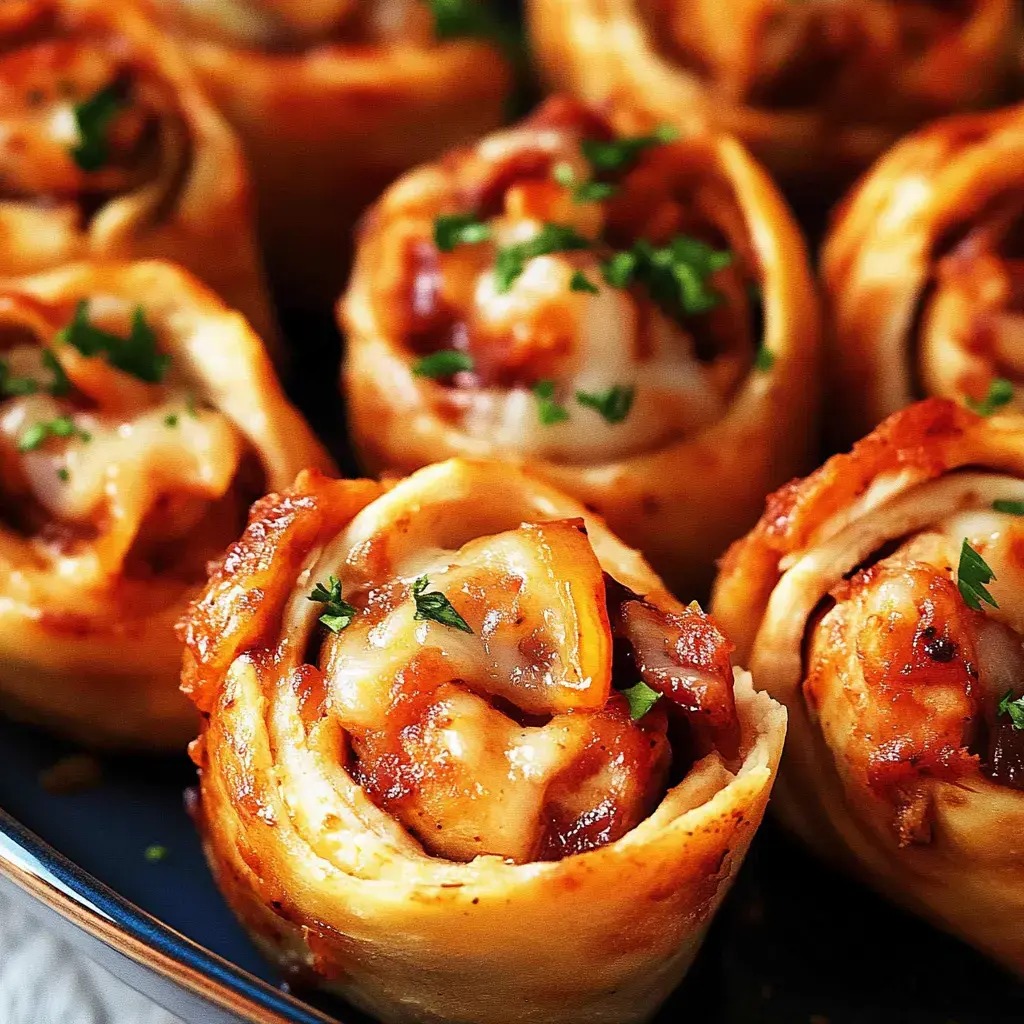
(50, 878)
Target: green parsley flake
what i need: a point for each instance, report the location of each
(973, 573)
(581, 283)
(1013, 708)
(453, 229)
(676, 275)
(512, 259)
(32, 437)
(548, 410)
(63, 474)
(641, 699)
(618, 271)
(613, 404)
(445, 363)
(171, 420)
(764, 360)
(136, 355)
(436, 607)
(583, 191)
(459, 19)
(1013, 508)
(155, 853)
(36, 434)
(1000, 393)
(620, 154)
(93, 118)
(339, 613)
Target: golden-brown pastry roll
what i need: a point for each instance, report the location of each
(110, 151)
(332, 101)
(464, 758)
(632, 318)
(881, 600)
(139, 418)
(924, 274)
(816, 88)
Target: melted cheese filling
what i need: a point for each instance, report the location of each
(143, 467)
(587, 343)
(461, 772)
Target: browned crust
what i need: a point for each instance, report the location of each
(681, 503)
(245, 596)
(927, 189)
(950, 853)
(100, 661)
(325, 130)
(208, 229)
(603, 50)
(928, 439)
(428, 935)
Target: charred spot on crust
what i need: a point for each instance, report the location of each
(938, 648)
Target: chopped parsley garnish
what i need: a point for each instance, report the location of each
(1013, 508)
(764, 360)
(339, 613)
(457, 19)
(63, 475)
(1013, 708)
(155, 853)
(641, 699)
(452, 229)
(436, 607)
(583, 191)
(171, 420)
(972, 575)
(512, 259)
(93, 118)
(60, 385)
(32, 437)
(445, 363)
(1000, 393)
(621, 153)
(137, 354)
(618, 270)
(548, 410)
(676, 275)
(190, 406)
(613, 404)
(581, 283)
(63, 426)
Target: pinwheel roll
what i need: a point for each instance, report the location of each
(332, 101)
(631, 317)
(881, 600)
(464, 758)
(924, 271)
(109, 151)
(817, 89)
(139, 418)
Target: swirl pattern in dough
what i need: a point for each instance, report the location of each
(631, 318)
(879, 599)
(459, 743)
(816, 89)
(139, 418)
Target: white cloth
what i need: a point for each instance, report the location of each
(45, 981)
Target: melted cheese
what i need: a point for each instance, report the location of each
(585, 342)
(417, 697)
(113, 470)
